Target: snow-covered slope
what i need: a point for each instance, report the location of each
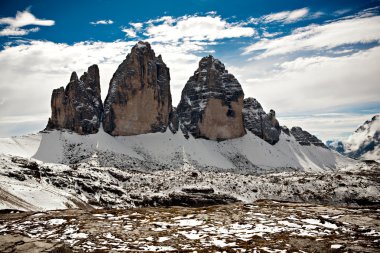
(248, 154)
(29, 185)
(364, 143)
(25, 146)
(99, 170)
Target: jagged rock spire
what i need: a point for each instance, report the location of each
(139, 99)
(78, 107)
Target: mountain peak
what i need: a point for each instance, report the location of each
(141, 46)
(211, 103)
(74, 77)
(78, 107)
(139, 98)
(364, 143)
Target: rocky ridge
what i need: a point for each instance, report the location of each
(211, 103)
(139, 99)
(89, 185)
(305, 138)
(78, 107)
(264, 125)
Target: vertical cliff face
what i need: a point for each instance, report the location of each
(211, 103)
(263, 125)
(139, 99)
(78, 107)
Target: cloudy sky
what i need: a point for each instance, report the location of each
(316, 63)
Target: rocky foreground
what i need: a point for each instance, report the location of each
(264, 226)
(109, 209)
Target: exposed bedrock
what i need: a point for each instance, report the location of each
(78, 107)
(139, 99)
(211, 103)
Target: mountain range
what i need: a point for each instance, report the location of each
(137, 149)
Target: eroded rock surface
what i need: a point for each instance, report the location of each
(23, 244)
(78, 107)
(139, 99)
(305, 138)
(263, 125)
(211, 103)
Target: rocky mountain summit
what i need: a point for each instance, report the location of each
(139, 99)
(364, 143)
(264, 125)
(78, 107)
(211, 103)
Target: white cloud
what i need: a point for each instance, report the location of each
(341, 12)
(129, 32)
(270, 35)
(194, 28)
(320, 37)
(211, 12)
(102, 22)
(286, 16)
(314, 84)
(331, 126)
(23, 18)
(165, 19)
(14, 31)
(137, 26)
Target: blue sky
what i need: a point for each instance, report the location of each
(313, 62)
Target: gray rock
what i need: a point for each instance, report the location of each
(305, 138)
(174, 121)
(78, 107)
(263, 125)
(139, 99)
(211, 103)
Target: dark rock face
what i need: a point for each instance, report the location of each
(174, 122)
(188, 197)
(305, 138)
(78, 107)
(139, 99)
(285, 130)
(263, 125)
(211, 103)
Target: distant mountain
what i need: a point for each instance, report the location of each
(364, 143)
